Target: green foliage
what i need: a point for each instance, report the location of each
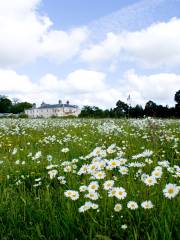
(5, 104)
(136, 112)
(177, 97)
(177, 106)
(23, 115)
(20, 107)
(93, 112)
(121, 109)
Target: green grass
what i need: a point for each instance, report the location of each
(44, 212)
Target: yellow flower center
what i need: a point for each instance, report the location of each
(171, 190)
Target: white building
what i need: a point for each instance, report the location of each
(48, 110)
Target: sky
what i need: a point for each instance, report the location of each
(90, 52)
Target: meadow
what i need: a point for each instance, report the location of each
(89, 179)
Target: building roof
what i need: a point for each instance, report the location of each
(56, 106)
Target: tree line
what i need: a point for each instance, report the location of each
(14, 106)
(122, 109)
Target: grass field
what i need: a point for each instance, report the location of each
(89, 179)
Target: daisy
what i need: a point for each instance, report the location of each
(94, 206)
(52, 173)
(171, 190)
(113, 163)
(110, 151)
(68, 169)
(83, 188)
(92, 168)
(122, 161)
(157, 173)
(132, 205)
(65, 150)
(74, 195)
(68, 193)
(97, 151)
(112, 192)
(123, 170)
(100, 175)
(120, 193)
(150, 181)
(84, 208)
(93, 186)
(117, 207)
(147, 204)
(87, 206)
(108, 184)
(92, 195)
(124, 226)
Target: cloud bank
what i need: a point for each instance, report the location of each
(86, 87)
(27, 35)
(155, 46)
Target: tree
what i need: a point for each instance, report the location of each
(121, 109)
(177, 97)
(20, 107)
(136, 112)
(177, 106)
(150, 109)
(5, 104)
(15, 101)
(87, 111)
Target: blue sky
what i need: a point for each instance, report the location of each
(68, 13)
(90, 52)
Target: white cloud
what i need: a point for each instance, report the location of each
(85, 87)
(27, 35)
(21, 30)
(86, 81)
(160, 88)
(17, 7)
(109, 48)
(78, 86)
(155, 46)
(60, 46)
(79, 81)
(11, 82)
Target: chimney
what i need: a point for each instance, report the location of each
(34, 106)
(59, 102)
(43, 104)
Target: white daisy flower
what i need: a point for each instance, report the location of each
(65, 150)
(99, 175)
(157, 173)
(74, 195)
(117, 207)
(120, 193)
(123, 170)
(52, 173)
(132, 205)
(171, 190)
(150, 181)
(93, 186)
(124, 226)
(108, 184)
(83, 188)
(92, 195)
(147, 204)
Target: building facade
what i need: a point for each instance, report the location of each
(49, 110)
